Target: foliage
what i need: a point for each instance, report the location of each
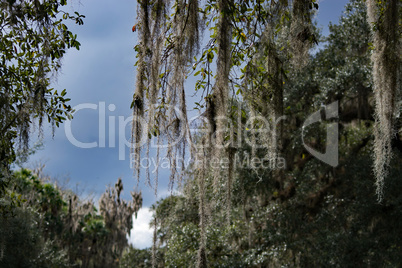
(118, 218)
(133, 257)
(53, 228)
(386, 19)
(242, 35)
(23, 245)
(308, 214)
(34, 38)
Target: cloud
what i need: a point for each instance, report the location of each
(141, 234)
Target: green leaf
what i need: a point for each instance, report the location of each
(210, 56)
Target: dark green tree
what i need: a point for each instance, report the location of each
(34, 37)
(51, 227)
(313, 215)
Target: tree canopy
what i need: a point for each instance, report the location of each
(54, 227)
(34, 39)
(254, 72)
(295, 157)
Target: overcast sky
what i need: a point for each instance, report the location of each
(100, 77)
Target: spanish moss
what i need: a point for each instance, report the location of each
(384, 17)
(301, 31)
(220, 95)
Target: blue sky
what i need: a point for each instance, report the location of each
(102, 72)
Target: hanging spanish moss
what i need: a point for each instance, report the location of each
(216, 114)
(175, 120)
(301, 31)
(117, 214)
(158, 12)
(275, 101)
(219, 99)
(166, 47)
(386, 66)
(265, 94)
(138, 97)
(231, 169)
(167, 44)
